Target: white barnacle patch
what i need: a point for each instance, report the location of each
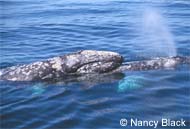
(92, 52)
(57, 62)
(96, 64)
(150, 63)
(40, 72)
(46, 64)
(89, 52)
(169, 63)
(35, 65)
(13, 79)
(72, 60)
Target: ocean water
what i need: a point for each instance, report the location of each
(137, 29)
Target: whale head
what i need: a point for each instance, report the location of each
(82, 62)
(90, 61)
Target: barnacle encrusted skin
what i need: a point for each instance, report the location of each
(157, 63)
(87, 61)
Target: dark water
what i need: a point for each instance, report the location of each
(36, 30)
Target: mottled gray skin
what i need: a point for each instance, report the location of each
(87, 62)
(153, 64)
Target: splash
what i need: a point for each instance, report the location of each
(158, 39)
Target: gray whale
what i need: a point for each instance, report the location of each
(82, 63)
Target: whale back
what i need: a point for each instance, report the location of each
(153, 64)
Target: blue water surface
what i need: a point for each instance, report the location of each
(36, 30)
